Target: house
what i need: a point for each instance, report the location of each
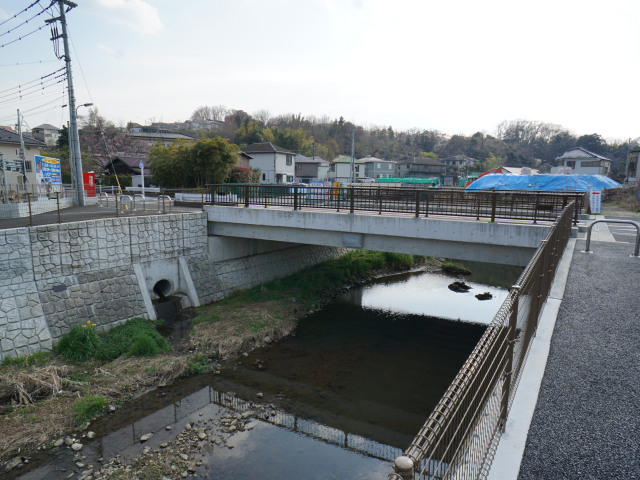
(46, 133)
(633, 166)
(584, 162)
(378, 168)
(10, 149)
(420, 167)
(340, 170)
(276, 164)
(153, 135)
(310, 168)
(459, 164)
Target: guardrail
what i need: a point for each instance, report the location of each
(628, 222)
(535, 206)
(459, 438)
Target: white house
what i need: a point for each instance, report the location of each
(584, 162)
(10, 149)
(276, 164)
(340, 170)
(46, 133)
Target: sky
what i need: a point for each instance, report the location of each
(456, 66)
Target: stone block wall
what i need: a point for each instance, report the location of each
(217, 280)
(56, 276)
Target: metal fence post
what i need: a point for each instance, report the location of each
(117, 209)
(494, 201)
(162, 193)
(506, 387)
(246, 196)
(417, 203)
(379, 201)
(30, 213)
(351, 199)
(58, 205)
(426, 204)
(404, 467)
(295, 198)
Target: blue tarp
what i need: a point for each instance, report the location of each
(544, 183)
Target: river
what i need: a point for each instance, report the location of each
(339, 399)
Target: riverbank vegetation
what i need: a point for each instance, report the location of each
(48, 395)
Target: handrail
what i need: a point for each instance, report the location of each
(604, 220)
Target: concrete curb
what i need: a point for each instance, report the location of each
(506, 462)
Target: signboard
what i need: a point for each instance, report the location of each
(89, 180)
(595, 201)
(48, 174)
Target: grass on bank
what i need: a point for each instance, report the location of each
(136, 337)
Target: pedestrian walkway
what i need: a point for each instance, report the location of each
(586, 422)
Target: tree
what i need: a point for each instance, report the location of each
(187, 164)
(594, 143)
(243, 175)
(493, 162)
(63, 138)
(216, 112)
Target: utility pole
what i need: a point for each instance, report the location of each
(5, 189)
(24, 167)
(74, 143)
(353, 150)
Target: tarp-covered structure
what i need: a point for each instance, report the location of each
(544, 183)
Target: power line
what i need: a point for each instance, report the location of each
(44, 9)
(22, 37)
(20, 12)
(20, 64)
(33, 89)
(33, 81)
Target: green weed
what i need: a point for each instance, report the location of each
(455, 269)
(199, 364)
(36, 359)
(88, 407)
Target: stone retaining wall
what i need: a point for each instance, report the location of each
(56, 276)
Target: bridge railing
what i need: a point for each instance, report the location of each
(535, 206)
(459, 438)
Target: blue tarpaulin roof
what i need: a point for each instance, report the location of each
(544, 183)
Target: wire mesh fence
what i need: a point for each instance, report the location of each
(32, 206)
(518, 205)
(459, 438)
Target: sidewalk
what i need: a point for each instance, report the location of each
(586, 423)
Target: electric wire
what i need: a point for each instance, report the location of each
(22, 37)
(33, 81)
(21, 64)
(44, 9)
(34, 90)
(20, 12)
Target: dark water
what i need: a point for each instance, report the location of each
(348, 391)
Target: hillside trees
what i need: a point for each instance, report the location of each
(188, 164)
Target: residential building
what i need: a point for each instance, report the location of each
(46, 133)
(10, 149)
(276, 164)
(420, 167)
(584, 162)
(340, 170)
(633, 169)
(153, 135)
(459, 164)
(311, 169)
(378, 168)
(244, 160)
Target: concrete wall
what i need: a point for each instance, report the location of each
(507, 243)
(56, 276)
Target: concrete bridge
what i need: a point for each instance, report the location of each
(232, 229)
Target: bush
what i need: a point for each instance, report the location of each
(199, 364)
(88, 407)
(136, 337)
(455, 269)
(80, 344)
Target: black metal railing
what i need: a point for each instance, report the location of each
(518, 205)
(459, 438)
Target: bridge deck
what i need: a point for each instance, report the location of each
(587, 419)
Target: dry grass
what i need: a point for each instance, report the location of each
(23, 386)
(623, 199)
(237, 327)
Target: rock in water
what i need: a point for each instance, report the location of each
(459, 287)
(484, 296)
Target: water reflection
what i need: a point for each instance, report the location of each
(428, 294)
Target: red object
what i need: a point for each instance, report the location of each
(89, 180)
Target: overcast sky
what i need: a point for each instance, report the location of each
(457, 66)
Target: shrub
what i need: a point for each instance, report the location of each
(145, 346)
(455, 269)
(199, 364)
(88, 407)
(80, 344)
(119, 340)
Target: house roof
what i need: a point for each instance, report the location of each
(318, 160)
(422, 161)
(579, 152)
(46, 126)
(266, 147)
(370, 159)
(160, 135)
(132, 162)
(459, 158)
(346, 159)
(11, 137)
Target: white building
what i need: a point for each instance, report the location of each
(46, 133)
(276, 164)
(584, 162)
(378, 168)
(340, 170)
